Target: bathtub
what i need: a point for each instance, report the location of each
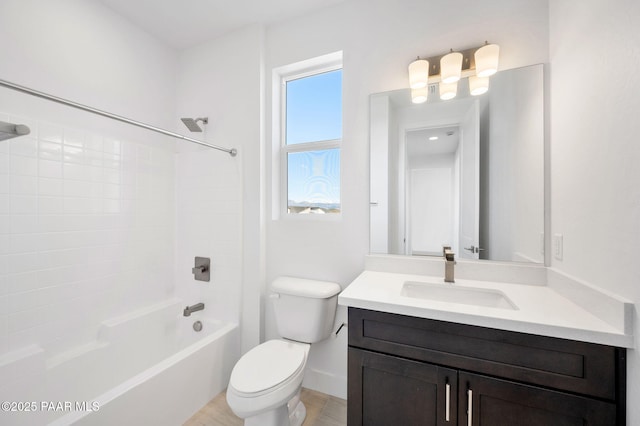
(146, 367)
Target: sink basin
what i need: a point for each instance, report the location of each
(452, 293)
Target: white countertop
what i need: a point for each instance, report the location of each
(541, 310)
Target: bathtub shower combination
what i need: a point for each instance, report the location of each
(147, 367)
(156, 363)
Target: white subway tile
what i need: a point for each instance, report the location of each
(50, 169)
(77, 188)
(112, 161)
(23, 146)
(93, 158)
(4, 184)
(23, 165)
(23, 223)
(25, 262)
(51, 223)
(51, 205)
(4, 244)
(94, 142)
(5, 224)
(24, 185)
(111, 191)
(112, 206)
(24, 300)
(112, 146)
(49, 186)
(112, 176)
(23, 204)
(73, 154)
(50, 151)
(4, 160)
(74, 138)
(4, 204)
(77, 205)
(26, 319)
(51, 133)
(23, 243)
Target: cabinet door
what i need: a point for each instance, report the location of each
(486, 401)
(385, 390)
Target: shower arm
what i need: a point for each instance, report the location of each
(232, 151)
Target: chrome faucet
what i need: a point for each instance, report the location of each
(191, 309)
(449, 262)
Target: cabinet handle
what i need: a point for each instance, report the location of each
(469, 407)
(447, 409)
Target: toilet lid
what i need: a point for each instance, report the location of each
(266, 366)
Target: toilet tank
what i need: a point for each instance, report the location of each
(305, 309)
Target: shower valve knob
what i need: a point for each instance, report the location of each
(201, 269)
(198, 269)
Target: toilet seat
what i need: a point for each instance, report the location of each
(268, 366)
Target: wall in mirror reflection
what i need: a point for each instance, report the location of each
(466, 173)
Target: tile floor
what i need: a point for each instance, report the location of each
(322, 410)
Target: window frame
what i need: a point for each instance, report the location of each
(296, 72)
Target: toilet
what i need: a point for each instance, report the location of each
(264, 388)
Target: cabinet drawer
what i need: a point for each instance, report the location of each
(579, 367)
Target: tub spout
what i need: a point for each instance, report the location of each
(193, 308)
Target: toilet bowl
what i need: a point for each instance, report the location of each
(264, 388)
(265, 384)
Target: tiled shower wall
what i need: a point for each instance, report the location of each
(86, 232)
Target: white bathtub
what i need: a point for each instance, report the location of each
(145, 368)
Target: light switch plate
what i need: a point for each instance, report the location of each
(557, 246)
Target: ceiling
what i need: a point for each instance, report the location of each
(185, 23)
(418, 143)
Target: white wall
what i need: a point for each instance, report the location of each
(218, 196)
(515, 181)
(595, 197)
(379, 38)
(87, 204)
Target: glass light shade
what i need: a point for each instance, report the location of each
(478, 85)
(419, 96)
(448, 91)
(418, 73)
(487, 60)
(451, 67)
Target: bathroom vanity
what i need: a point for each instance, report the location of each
(519, 347)
(415, 371)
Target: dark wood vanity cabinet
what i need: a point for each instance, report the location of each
(415, 371)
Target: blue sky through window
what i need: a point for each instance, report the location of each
(314, 108)
(313, 114)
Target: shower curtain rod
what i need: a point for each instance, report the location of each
(43, 95)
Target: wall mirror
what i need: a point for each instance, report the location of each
(466, 173)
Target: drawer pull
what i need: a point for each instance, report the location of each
(469, 407)
(447, 409)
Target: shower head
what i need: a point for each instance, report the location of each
(192, 124)
(9, 130)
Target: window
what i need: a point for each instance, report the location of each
(310, 140)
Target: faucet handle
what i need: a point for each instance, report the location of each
(448, 253)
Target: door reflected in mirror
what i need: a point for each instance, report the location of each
(466, 173)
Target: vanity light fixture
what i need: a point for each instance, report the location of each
(419, 96)
(486, 59)
(477, 63)
(451, 67)
(478, 85)
(448, 91)
(418, 73)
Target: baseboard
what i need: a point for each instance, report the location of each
(324, 382)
